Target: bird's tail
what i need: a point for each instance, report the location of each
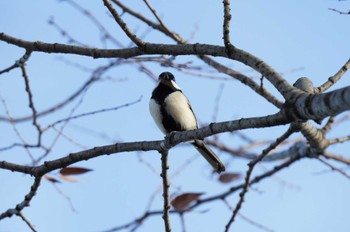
(209, 155)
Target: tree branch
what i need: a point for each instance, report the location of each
(226, 27)
(166, 185)
(25, 203)
(123, 25)
(333, 79)
(249, 173)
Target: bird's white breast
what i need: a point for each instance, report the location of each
(154, 109)
(177, 106)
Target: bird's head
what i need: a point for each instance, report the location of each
(168, 79)
(166, 76)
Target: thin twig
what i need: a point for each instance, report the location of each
(95, 112)
(333, 79)
(226, 27)
(31, 227)
(166, 186)
(123, 25)
(334, 168)
(31, 103)
(243, 79)
(217, 102)
(17, 132)
(25, 203)
(337, 158)
(219, 67)
(174, 35)
(60, 131)
(137, 222)
(94, 20)
(18, 63)
(251, 166)
(64, 33)
(328, 125)
(340, 12)
(250, 221)
(339, 140)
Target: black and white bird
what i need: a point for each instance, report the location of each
(172, 111)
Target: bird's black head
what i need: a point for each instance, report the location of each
(166, 76)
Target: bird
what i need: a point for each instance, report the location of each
(172, 111)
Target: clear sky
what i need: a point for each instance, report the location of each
(297, 38)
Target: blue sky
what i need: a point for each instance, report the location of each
(304, 36)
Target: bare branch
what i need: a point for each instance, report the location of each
(94, 20)
(226, 27)
(148, 48)
(161, 27)
(334, 168)
(18, 63)
(340, 12)
(328, 126)
(219, 67)
(249, 173)
(31, 227)
(339, 140)
(123, 25)
(219, 197)
(25, 203)
(337, 158)
(95, 112)
(243, 79)
(166, 30)
(333, 79)
(166, 185)
(31, 104)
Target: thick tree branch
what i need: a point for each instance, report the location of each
(150, 48)
(341, 97)
(318, 107)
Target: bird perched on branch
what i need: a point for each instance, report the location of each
(172, 111)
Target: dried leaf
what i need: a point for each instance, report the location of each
(229, 177)
(51, 179)
(74, 171)
(182, 201)
(68, 178)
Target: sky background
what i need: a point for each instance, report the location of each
(296, 38)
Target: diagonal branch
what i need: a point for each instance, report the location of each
(123, 25)
(25, 203)
(250, 171)
(18, 63)
(219, 67)
(333, 79)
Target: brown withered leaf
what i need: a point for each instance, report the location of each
(182, 201)
(74, 171)
(51, 179)
(229, 177)
(68, 178)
